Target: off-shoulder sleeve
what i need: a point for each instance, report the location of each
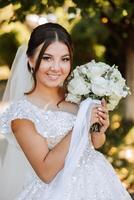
(19, 110)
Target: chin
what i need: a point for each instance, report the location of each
(51, 85)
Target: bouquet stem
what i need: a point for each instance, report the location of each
(95, 127)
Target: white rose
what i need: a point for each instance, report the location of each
(78, 86)
(86, 68)
(99, 86)
(83, 70)
(117, 77)
(116, 74)
(97, 69)
(73, 98)
(116, 89)
(76, 73)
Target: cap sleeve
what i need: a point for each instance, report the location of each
(18, 110)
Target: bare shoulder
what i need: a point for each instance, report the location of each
(21, 124)
(71, 107)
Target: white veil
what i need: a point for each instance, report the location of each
(20, 80)
(11, 157)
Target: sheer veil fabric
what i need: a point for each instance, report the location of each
(20, 80)
(12, 179)
(13, 165)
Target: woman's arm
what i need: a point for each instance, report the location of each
(46, 163)
(98, 139)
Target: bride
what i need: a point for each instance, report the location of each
(51, 153)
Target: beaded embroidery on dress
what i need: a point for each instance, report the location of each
(94, 177)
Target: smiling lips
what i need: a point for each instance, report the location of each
(53, 77)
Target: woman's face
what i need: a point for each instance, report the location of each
(55, 65)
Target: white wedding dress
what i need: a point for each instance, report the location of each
(93, 178)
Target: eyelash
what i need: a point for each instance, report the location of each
(47, 58)
(66, 59)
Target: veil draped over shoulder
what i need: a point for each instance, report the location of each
(13, 164)
(12, 158)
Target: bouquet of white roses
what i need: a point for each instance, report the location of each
(97, 80)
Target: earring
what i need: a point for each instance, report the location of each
(32, 70)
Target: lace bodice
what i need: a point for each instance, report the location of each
(51, 124)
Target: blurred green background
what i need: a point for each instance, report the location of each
(102, 30)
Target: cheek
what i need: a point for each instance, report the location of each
(41, 73)
(43, 67)
(42, 70)
(66, 69)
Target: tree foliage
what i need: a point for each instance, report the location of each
(9, 42)
(112, 23)
(104, 24)
(24, 7)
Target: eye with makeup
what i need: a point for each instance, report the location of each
(46, 58)
(66, 59)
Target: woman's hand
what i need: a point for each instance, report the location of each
(101, 116)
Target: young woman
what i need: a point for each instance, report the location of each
(53, 134)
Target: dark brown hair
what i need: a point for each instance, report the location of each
(46, 34)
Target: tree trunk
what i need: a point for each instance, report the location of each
(130, 83)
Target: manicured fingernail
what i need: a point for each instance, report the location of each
(99, 108)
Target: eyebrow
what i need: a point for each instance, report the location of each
(52, 55)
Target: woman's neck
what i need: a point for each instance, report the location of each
(46, 96)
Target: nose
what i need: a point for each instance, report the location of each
(55, 66)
